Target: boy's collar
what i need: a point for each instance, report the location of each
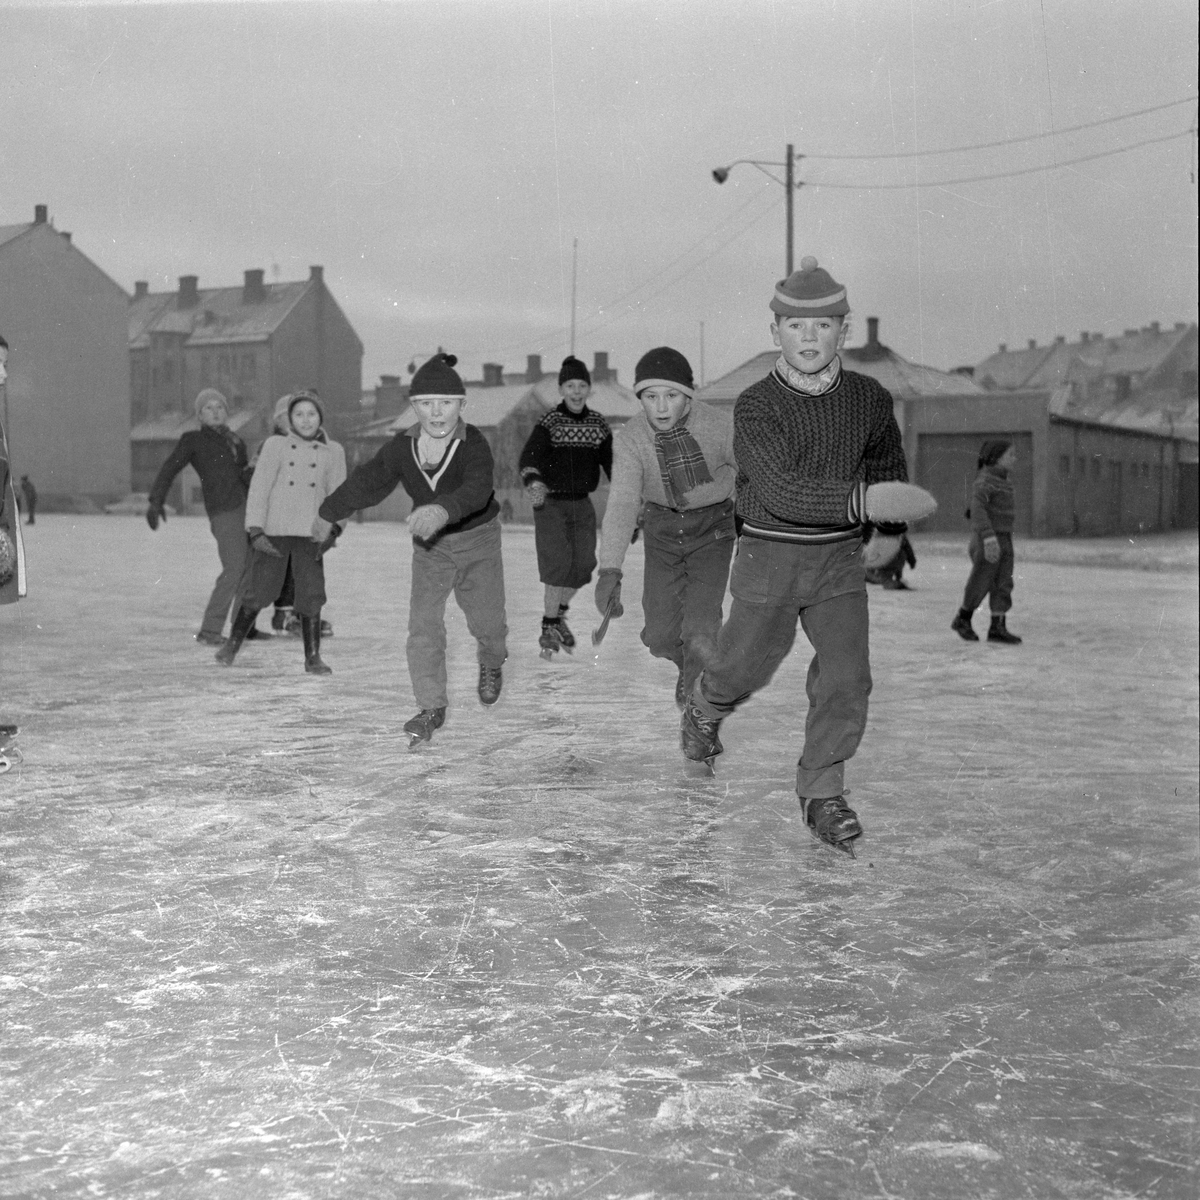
(825, 380)
(583, 412)
(458, 434)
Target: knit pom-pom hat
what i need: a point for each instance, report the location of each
(311, 397)
(437, 377)
(572, 368)
(664, 367)
(206, 395)
(809, 292)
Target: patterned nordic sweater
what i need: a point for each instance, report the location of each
(567, 452)
(804, 462)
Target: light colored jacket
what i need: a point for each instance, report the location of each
(637, 477)
(290, 482)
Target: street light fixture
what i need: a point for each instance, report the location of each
(789, 183)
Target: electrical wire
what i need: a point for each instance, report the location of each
(1070, 162)
(1032, 137)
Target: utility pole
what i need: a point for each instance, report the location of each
(789, 184)
(701, 353)
(790, 188)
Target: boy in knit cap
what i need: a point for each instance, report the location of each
(445, 465)
(675, 458)
(810, 438)
(219, 458)
(560, 467)
(295, 472)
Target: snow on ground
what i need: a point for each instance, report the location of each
(251, 946)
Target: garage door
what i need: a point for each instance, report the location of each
(946, 467)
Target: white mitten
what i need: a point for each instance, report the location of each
(898, 503)
(880, 550)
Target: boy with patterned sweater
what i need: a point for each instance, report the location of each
(445, 465)
(673, 462)
(560, 467)
(810, 439)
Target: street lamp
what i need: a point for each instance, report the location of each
(788, 182)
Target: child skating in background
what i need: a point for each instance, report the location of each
(295, 473)
(445, 466)
(673, 464)
(991, 550)
(560, 467)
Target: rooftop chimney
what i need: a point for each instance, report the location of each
(1003, 347)
(253, 291)
(1155, 327)
(317, 275)
(872, 331)
(493, 375)
(189, 292)
(600, 372)
(39, 214)
(141, 290)
(533, 368)
(390, 396)
(1033, 343)
(66, 236)
(1060, 340)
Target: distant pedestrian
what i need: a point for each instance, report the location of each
(991, 549)
(12, 560)
(294, 475)
(445, 466)
(218, 456)
(673, 466)
(560, 467)
(30, 494)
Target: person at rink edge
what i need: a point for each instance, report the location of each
(672, 464)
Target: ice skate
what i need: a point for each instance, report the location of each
(491, 680)
(310, 630)
(962, 626)
(242, 624)
(10, 756)
(831, 820)
(568, 638)
(551, 640)
(698, 736)
(999, 632)
(421, 727)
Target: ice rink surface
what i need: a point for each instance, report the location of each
(250, 946)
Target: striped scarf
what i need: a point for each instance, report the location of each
(680, 462)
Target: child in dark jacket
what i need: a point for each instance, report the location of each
(991, 549)
(446, 468)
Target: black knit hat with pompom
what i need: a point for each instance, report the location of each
(572, 368)
(436, 377)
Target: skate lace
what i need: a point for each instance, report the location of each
(707, 725)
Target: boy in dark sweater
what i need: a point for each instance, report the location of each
(445, 466)
(809, 439)
(560, 467)
(219, 458)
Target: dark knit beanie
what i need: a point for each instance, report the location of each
(664, 367)
(436, 377)
(992, 451)
(206, 394)
(809, 292)
(311, 397)
(572, 368)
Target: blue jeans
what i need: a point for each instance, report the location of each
(774, 585)
(469, 565)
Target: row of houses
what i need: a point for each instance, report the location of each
(101, 386)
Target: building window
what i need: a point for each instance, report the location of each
(1081, 466)
(1064, 465)
(1096, 467)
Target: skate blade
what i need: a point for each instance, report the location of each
(701, 767)
(416, 741)
(546, 654)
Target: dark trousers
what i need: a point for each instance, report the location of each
(229, 528)
(564, 533)
(993, 580)
(774, 584)
(687, 567)
(469, 564)
(267, 574)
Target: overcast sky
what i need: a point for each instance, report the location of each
(439, 158)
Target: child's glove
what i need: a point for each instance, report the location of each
(154, 514)
(608, 591)
(898, 503)
(991, 549)
(537, 492)
(880, 550)
(425, 521)
(263, 544)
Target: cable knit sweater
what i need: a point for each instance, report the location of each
(804, 462)
(637, 477)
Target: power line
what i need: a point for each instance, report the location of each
(1032, 137)
(1070, 162)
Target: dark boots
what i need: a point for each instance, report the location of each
(998, 632)
(242, 624)
(962, 626)
(310, 630)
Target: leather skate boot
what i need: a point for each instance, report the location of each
(831, 820)
(699, 735)
(551, 640)
(242, 624)
(421, 727)
(962, 626)
(310, 630)
(491, 680)
(998, 632)
(568, 638)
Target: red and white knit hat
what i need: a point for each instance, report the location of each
(809, 292)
